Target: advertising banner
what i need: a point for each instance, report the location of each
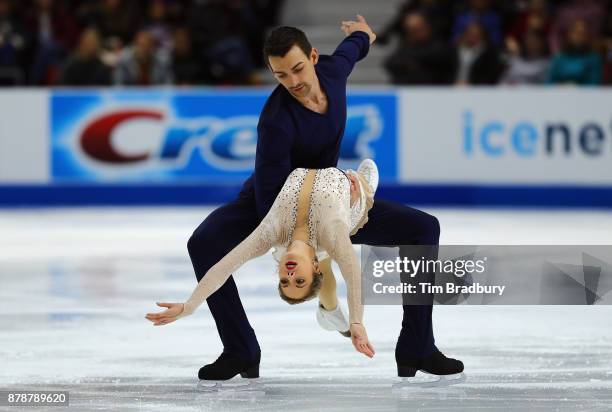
(507, 136)
(179, 136)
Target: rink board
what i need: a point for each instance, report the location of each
(472, 147)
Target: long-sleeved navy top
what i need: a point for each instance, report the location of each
(291, 135)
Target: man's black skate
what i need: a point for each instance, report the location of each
(228, 366)
(435, 364)
(445, 370)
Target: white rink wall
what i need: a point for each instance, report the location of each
(519, 147)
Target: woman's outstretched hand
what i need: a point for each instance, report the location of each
(361, 341)
(167, 316)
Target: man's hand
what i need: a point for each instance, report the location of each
(350, 26)
(167, 316)
(355, 188)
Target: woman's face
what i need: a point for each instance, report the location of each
(296, 273)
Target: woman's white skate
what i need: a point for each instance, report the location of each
(368, 169)
(333, 320)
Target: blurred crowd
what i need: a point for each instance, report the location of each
(191, 42)
(133, 42)
(485, 42)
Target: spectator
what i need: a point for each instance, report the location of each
(577, 63)
(54, 33)
(220, 30)
(157, 24)
(592, 12)
(607, 46)
(439, 14)
(85, 68)
(115, 19)
(482, 12)
(535, 18)
(479, 61)
(142, 64)
(186, 68)
(14, 43)
(420, 59)
(529, 61)
(260, 15)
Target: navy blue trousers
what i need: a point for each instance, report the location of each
(389, 223)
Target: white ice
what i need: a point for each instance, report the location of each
(76, 284)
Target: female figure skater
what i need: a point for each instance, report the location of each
(317, 210)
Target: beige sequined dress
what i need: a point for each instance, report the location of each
(331, 222)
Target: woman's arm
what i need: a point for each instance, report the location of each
(338, 244)
(327, 295)
(256, 244)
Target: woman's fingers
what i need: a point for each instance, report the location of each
(371, 348)
(362, 347)
(154, 316)
(163, 321)
(165, 313)
(366, 350)
(161, 318)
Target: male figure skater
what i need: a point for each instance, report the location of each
(302, 125)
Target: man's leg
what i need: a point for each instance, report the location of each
(389, 224)
(216, 236)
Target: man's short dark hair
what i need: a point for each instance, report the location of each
(282, 39)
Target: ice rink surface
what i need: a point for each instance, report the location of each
(76, 284)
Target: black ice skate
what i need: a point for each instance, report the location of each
(438, 369)
(215, 376)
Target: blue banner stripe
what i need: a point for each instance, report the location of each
(211, 194)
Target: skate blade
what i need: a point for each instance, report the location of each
(426, 380)
(243, 385)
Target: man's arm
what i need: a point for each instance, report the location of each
(355, 46)
(272, 165)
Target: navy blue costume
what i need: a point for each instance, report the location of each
(291, 136)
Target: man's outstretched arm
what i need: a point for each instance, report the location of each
(355, 46)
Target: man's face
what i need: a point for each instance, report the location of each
(295, 70)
